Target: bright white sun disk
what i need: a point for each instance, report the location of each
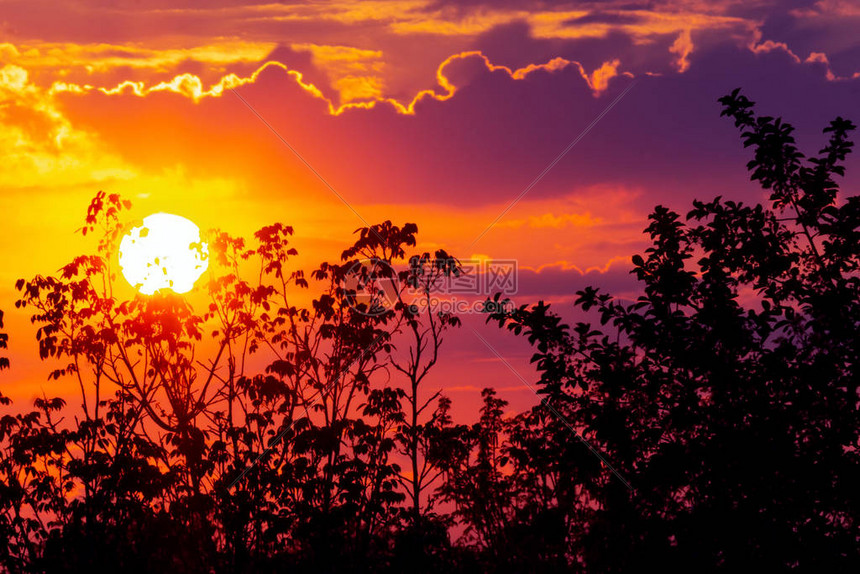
(164, 253)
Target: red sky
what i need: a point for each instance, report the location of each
(437, 112)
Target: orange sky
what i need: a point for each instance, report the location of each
(437, 112)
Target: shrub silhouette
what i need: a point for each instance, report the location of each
(261, 434)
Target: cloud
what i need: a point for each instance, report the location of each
(561, 280)
(643, 25)
(768, 46)
(180, 48)
(829, 8)
(98, 58)
(555, 221)
(189, 85)
(354, 73)
(821, 58)
(682, 47)
(38, 143)
(8, 51)
(339, 62)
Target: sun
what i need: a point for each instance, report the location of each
(164, 253)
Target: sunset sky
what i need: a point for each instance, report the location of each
(438, 112)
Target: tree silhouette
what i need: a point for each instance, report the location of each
(727, 394)
(293, 459)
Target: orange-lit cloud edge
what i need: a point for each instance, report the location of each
(192, 86)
